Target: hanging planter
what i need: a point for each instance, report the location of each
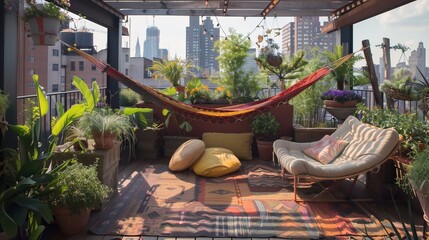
(274, 60)
(44, 21)
(44, 30)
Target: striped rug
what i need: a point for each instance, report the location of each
(253, 202)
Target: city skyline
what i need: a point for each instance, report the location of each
(404, 25)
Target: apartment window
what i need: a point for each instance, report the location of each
(93, 79)
(31, 72)
(126, 71)
(31, 59)
(81, 66)
(72, 66)
(55, 67)
(127, 58)
(55, 52)
(93, 67)
(63, 79)
(31, 84)
(54, 87)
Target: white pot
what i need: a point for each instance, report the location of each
(44, 30)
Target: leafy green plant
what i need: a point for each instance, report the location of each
(307, 104)
(414, 131)
(243, 86)
(48, 9)
(105, 120)
(172, 70)
(288, 69)
(78, 188)
(29, 173)
(402, 83)
(417, 174)
(344, 73)
(4, 103)
(184, 125)
(266, 125)
(128, 97)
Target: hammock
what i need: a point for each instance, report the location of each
(232, 113)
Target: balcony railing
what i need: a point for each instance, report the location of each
(67, 99)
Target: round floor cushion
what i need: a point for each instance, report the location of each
(216, 162)
(186, 155)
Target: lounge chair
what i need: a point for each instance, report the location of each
(368, 147)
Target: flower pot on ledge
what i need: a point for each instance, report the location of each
(44, 30)
(340, 110)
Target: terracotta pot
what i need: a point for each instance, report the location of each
(44, 30)
(71, 223)
(265, 150)
(104, 140)
(333, 103)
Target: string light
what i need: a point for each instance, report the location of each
(205, 31)
(225, 7)
(207, 2)
(211, 37)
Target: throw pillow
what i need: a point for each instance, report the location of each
(216, 162)
(326, 150)
(239, 143)
(186, 155)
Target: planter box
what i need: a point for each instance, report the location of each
(172, 143)
(302, 134)
(148, 144)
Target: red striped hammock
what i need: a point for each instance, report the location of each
(225, 114)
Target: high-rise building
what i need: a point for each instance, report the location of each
(163, 53)
(418, 60)
(288, 39)
(304, 34)
(151, 44)
(138, 50)
(249, 62)
(199, 44)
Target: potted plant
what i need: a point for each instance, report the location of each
(344, 74)
(265, 126)
(402, 86)
(44, 20)
(416, 179)
(74, 195)
(173, 71)
(340, 103)
(106, 127)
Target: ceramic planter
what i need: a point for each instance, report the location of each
(44, 30)
(340, 110)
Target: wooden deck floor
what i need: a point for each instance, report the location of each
(52, 233)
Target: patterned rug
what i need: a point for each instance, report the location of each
(253, 202)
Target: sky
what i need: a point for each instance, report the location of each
(406, 25)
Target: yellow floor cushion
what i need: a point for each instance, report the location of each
(186, 155)
(216, 162)
(239, 143)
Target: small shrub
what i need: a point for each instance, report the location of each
(128, 97)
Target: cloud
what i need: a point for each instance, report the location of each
(411, 16)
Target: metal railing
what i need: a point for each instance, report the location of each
(68, 98)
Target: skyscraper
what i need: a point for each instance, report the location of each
(138, 50)
(418, 60)
(199, 44)
(304, 34)
(151, 44)
(288, 39)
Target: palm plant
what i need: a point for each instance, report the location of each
(172, 70)
(344, 73)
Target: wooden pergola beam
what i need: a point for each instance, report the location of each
(359, 10)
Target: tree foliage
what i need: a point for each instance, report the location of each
(233, 51)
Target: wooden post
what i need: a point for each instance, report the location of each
(371, 71)
(387, 67)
